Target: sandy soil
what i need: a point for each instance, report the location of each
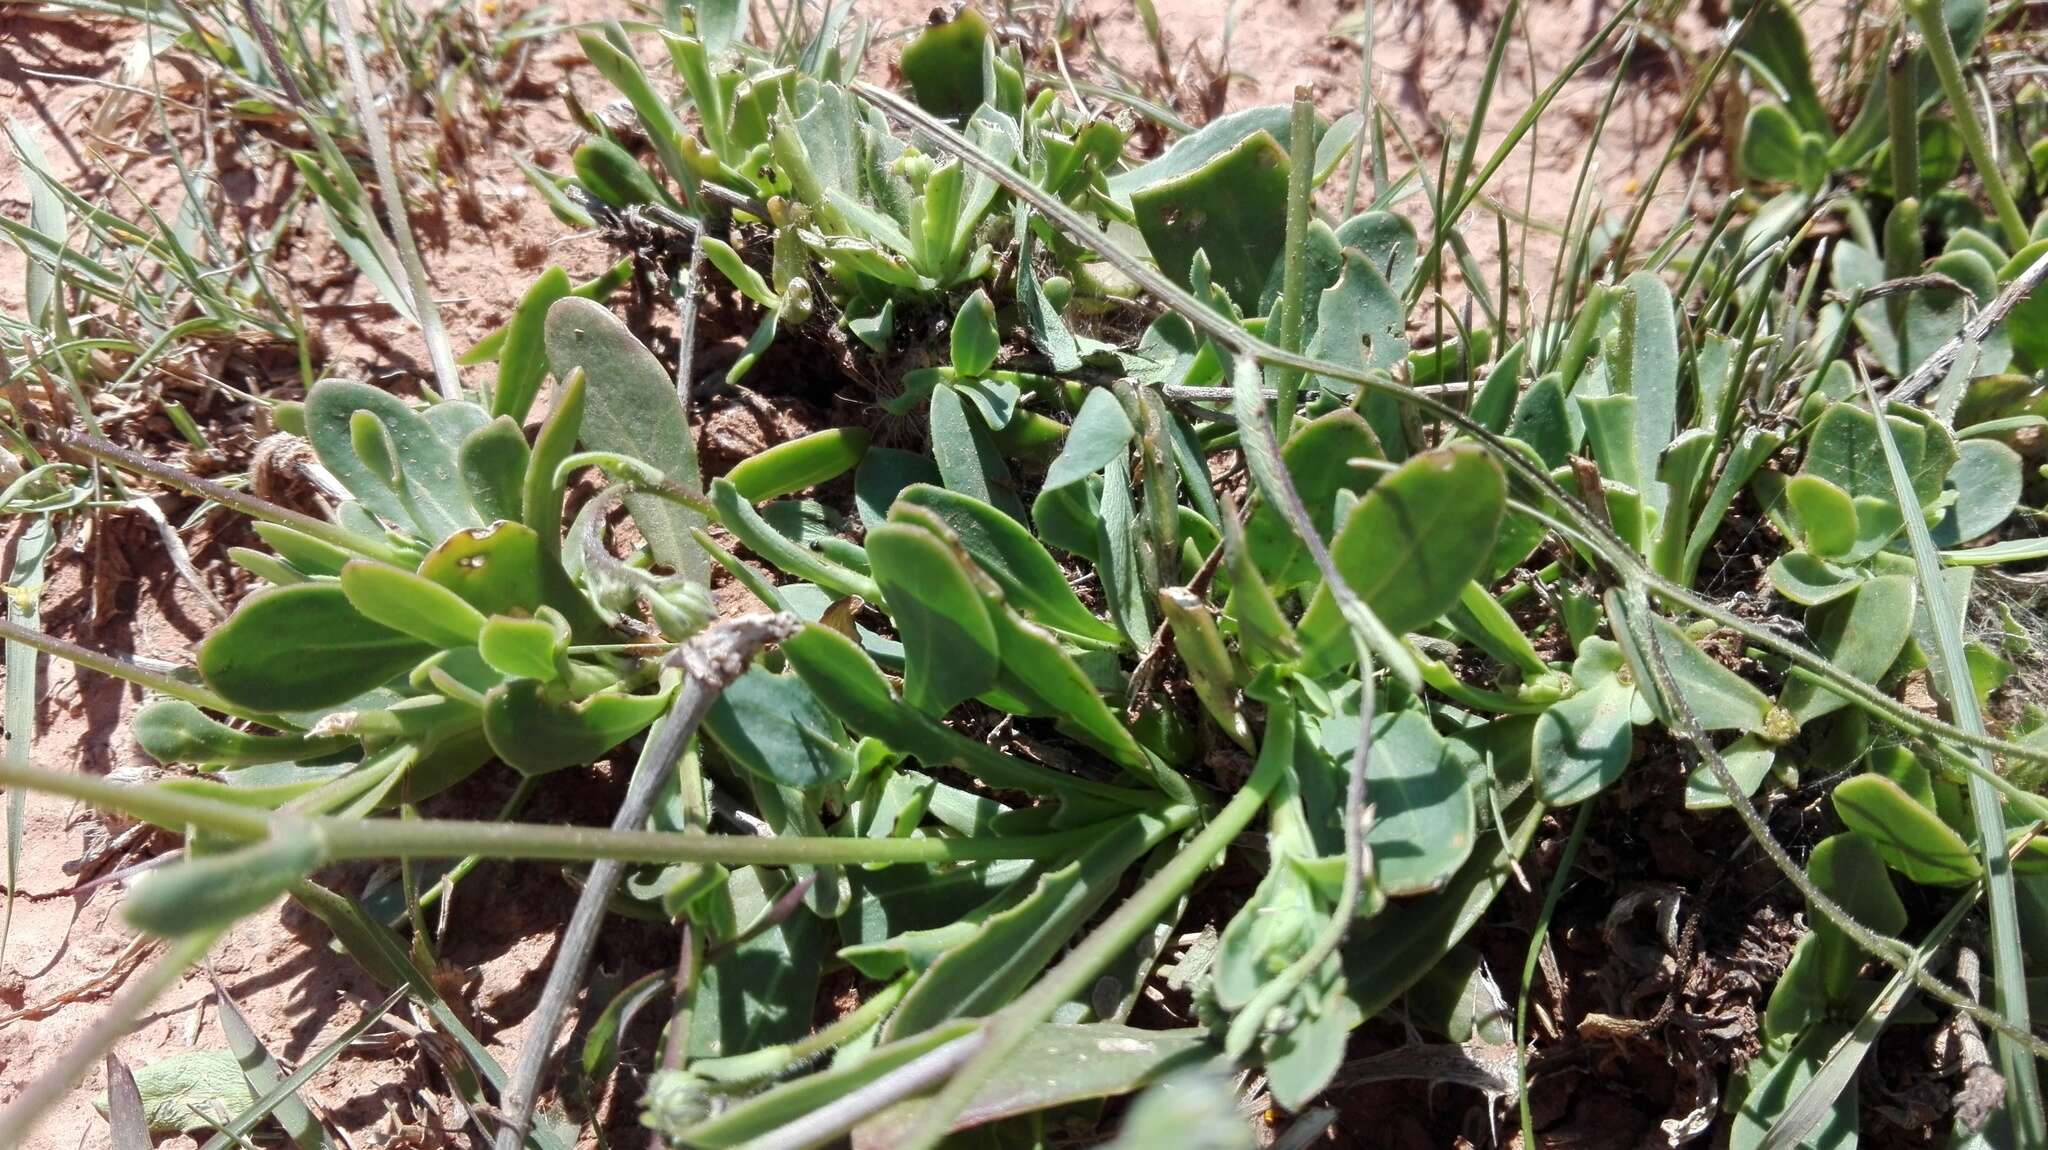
(486, 235)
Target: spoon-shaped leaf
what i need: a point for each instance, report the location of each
(303, 647)
(411, 603)
(534, 734)
(1031, 580)
(950, 649)
(1912, 839)
(1412, 544)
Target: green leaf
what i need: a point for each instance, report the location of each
(2027, 323)
(261, 1068)
(1410, 546)
(1912, 839)
(307, 554)
(1843, 449)
(1719, 699)
(523, 364)
(434, 503)
(951, 651)
(614, 60)
(968, 459)
(797, 464)
(1862, 634)
(775, 727)
(1190, 1111)
(540, 500)
(975, 340)
(1424, 822)
(1031, 579)
(1779, 1074)
(601, 1045)
(522, 648)
(494, 460)
(1318, 456)
(413, 604)
(943, 65)
(760, 992)
(190, 1091)
(1233, 207)
(1801, 997)
(174, 731)
(213, 892)
(852, 687)
(1387, 953)
(1986, 480)
(502, 570)
(1361, 323)
(1582, 744)
(301, 648)
(1386, 240)
(1824, 514)
(631, 407)
(738, 516)
(535, 734)
(611, 174)
(1809, 580)
(1774, 149)
(884, 474)
(1773, 47)
(1850, 870)
(1117, 557)
(1070, 1065)
(1198, 148)
(740, 274)
(1063, 513)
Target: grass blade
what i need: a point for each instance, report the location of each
(446, 376)
(24, 590)
(1813, 1103)
(2022, 1081)
(260, 1067)
(286, 1089)
(126, 1122)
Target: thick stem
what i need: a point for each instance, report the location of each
(452, 838)
(710, 662)
(1949, 69)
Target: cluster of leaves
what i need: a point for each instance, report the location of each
(1465, 617)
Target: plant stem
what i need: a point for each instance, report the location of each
(1891, 951)
(91, 660)
(710, 661)
(454, 838)
(1002, 1033)
(1942, 51)
(2022, 1082)
(1301, 146)
(259, 509)
(1529, 962)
